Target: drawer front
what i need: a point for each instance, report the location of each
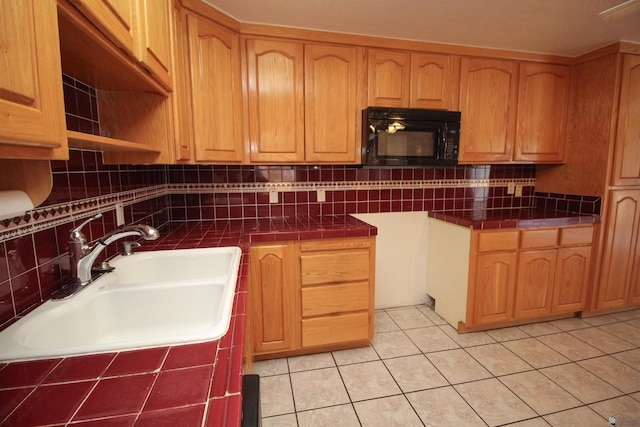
(497, 241)
(330, 299)
(334, 267)
(576, 236)
(335, 329)
(545, 238)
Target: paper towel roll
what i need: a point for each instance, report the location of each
(14, 203)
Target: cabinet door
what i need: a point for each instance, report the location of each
(432, 81)
(273, 305)
(627, 151)
(488, 98)
(153, 38)
(115, 18)
(389, 74)
(216, 91)
(534, 287)
(571, 279)
(276, 101)
(32, 123)
(495, 277)
(618, 252)
(333, 86)
(543, 99)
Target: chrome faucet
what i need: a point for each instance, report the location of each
(82, 255)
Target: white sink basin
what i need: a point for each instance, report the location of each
(150, 299)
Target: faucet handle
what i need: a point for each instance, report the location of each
(76, 235)
(127, 247)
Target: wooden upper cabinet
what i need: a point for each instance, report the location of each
(543, 99)
(627, 151)
(389, 78)
(153, 39)
(115, 18)
(215, 92)
(433, 82)
(275, 79)
(32, 121)
(415, 80)
(488, 102)
(334, 80)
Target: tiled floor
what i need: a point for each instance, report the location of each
(420, 372)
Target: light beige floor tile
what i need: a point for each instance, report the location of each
(393, 344)
(494, 402)
(276, 397)
(630, 357)
(384, 323)
(616, 373)
(266, 368)
(444, 407)
(539, 392)
(288, 420)
(312, 361)
(368, 380)
(625, 410)
(535, 353)
(534, 422)
(635, 396)
(318, 388)
(577, 417)
(341, 415)
(624, 331)
(498, 359)
(457, 366)
(507, 334)
(627, 315)
(414, 373)
(468, 339)
(431, 339)
(634, 322)
(387, 412)
(538, 329)
(602, 340)
(570, 324)
(428, 311)
(570, 347)
(409, 318)
(600, 320)
(355, 355)
(581, 383)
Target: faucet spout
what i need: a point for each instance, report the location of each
(83, 256)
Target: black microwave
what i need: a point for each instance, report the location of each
(410, 137)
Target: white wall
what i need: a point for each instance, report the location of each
(401, 257)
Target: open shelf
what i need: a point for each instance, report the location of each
(101, 143)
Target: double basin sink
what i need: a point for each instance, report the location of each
(150, 299)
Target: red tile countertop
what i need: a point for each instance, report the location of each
(183, 385)
(511, 218)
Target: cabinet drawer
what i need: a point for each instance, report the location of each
(539, 238)
(335, 329)
(497, 241)
(323, 300)
(332, 267)
(576, 236)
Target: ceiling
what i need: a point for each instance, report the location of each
(559, 27)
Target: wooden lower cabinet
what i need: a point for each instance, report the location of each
(494, 287)
(519, 275)
(273, 298)
(313, 295)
